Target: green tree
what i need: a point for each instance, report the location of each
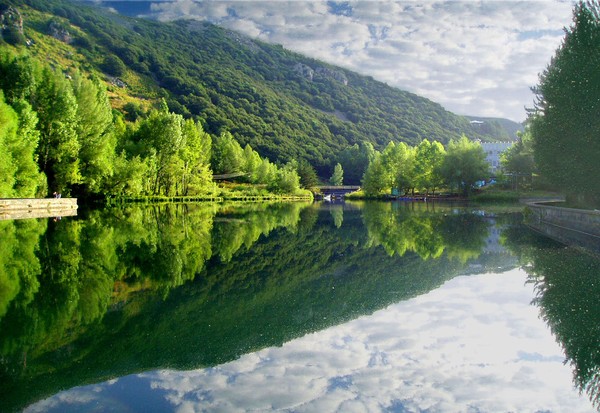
(250, 163)
(429, 157)
(354, 160)
(308, 175)
(29, 182)
(338, 175)
(227, 154)
(94, 129)
(8, 134)
(58, 150)
(113, 66)
(464, 164)
(286, 180)
(375, 180)
(399, 162)
(565, 121)
(195, 154)
(19, 77)
(160, 138)
(518, 160)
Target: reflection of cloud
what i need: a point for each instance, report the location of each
(475, 344)
(477, 58)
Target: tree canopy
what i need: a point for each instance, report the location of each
(565, 121)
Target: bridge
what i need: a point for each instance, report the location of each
(337, 191)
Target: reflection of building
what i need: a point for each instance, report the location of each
(493, 150)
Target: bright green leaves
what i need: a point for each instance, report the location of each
(464, 164)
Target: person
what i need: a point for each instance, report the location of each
(56, 194)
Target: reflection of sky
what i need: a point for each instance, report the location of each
(473, 345)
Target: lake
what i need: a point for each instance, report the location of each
(296, 307)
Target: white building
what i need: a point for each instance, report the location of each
(493, 150)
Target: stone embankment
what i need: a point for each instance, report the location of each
(22, 208)
(579, 227)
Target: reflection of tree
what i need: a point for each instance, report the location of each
(83, 267)
(242, 226)
(417, 228)
(567, 293)
(337, 213)
(301, 275)
(19, 265)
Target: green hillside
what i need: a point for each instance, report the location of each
(285, 105)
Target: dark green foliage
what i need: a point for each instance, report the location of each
(90, 299)
(113, 66)
(308, 176)
(567, 292)
(565, 121)
(255, 91)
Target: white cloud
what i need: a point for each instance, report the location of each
(475, 344)
(469, 56)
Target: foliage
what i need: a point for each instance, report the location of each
(79, 296)
(564, 121)
(464, 164)
(337, 178)
(567, 293)
(518, 161)
(234, 84)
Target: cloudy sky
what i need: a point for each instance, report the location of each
(474, 57)
(474, 345)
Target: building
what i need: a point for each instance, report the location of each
(493, 150)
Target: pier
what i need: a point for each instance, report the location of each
(23, 208)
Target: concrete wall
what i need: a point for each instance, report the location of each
(570, 226)
(22, 208)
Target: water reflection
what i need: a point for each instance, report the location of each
(475, 344)
(567, 287)
(186, 287)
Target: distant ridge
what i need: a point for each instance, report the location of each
(285, 105)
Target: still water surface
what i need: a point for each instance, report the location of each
(296, 307)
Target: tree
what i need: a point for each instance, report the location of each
(338, 175)
(355, 160)
(399, 163)
(287, 180)
(565, 121)
(250, 163)
(58, 150)
(8, 134)
(428, 160)
(308, 175)
(374, 182)
(227, 154)
(195, 154)
(161, 138)
(464, 164)
(113, 66)
(94, 129)
(518, 160)
(29, 182)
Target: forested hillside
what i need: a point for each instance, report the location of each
(285, 105)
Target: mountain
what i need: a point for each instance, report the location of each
(501, 129)
(285, 105)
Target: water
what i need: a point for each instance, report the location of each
(295, 307)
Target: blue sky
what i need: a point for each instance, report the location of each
(474, 57)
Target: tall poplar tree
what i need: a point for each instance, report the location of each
(94, 130)
(565, 121)
(58, 151)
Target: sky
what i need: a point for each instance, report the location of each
(475, 58)
(476, 344)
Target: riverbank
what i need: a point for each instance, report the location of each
(571, 226)
(24, 208)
